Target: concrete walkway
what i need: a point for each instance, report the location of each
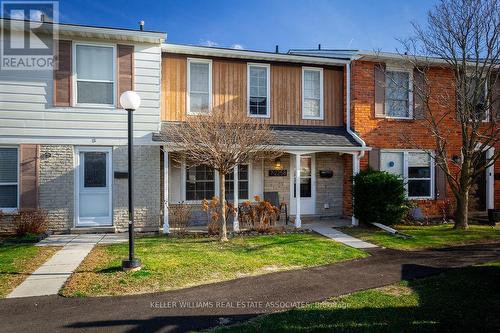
(326, 229)
(50, 277)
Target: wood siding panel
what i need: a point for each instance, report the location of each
(229, 91)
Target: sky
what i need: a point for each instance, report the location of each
(261, 24)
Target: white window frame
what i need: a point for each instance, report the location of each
(75, 76)
(406, 153)
(268, 92)
(188, 91)
(184, 181)
(488, 111)
(11, 210)
(321, 100)
(410, 91)
(249, 164)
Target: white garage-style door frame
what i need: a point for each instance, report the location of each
(93, 186)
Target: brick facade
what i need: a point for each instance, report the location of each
(405, 134)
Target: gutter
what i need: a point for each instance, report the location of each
(348, 112)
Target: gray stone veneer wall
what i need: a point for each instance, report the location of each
(329, 190)
(56, 185)
(146, 186)
(277, 183)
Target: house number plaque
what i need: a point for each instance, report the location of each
(277, 173)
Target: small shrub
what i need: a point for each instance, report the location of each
(379, 197)
(179, 216)
(258, 216)
(30, 221)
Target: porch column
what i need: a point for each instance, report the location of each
(355, 171)
(236, 223)
(166, 226)
(298, 222)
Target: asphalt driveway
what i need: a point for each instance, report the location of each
(206, 306)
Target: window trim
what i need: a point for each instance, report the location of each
(268, 88)
(13, 210)
(405, 170)
(410, 92)
(184, 167)
(188, 85)
(75, 77)
(249, 181)
(321, 90)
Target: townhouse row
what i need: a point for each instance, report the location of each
(63, 135)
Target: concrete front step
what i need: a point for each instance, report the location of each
(93, 230)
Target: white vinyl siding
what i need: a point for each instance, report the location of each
(9, 179)
(414, 167)
(199, 81)
(259, 91)
(27, 113)
(94, 74)
(312, 93)
(398, 93)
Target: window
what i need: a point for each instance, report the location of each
(200, 183)
(398, 97)
(312, 93)
(94, 169)
(305, 178)
(419, 175)
(481, 111)
(258, 90)
(8, 178)
(199, 88)
(95, 74)
(242, 183)
(414, 167)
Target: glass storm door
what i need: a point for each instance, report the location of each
(307, 185)
(94, 187)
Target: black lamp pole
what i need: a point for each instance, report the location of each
(132, 263)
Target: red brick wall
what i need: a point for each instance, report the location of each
(404, 134)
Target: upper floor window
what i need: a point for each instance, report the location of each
(414, 167)
(481, 109)
(95, 74)
(8, 178)
(258, 90)
(312, 93)
(199, 97)
(398, 96)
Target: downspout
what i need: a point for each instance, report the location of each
(348, 110)
(356, 157)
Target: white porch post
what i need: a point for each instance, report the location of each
(166, 226)
(236, 223)
(298, 222)
(355, 171)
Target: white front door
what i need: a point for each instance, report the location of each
(307, 185)
(93, 179)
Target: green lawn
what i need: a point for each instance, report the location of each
(17, 261)
(460, 300)
(426, 236)
(171, 263)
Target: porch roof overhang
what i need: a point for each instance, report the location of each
(296, 139)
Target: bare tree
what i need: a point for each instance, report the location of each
(222, 140)
(461, 36)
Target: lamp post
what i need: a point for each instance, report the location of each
(130, 101)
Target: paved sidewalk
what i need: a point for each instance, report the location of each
(163, 312)
(50, 277)
(326, 229)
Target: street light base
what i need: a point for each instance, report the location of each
(131, 265)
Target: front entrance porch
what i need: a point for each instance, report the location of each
(321, 178)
